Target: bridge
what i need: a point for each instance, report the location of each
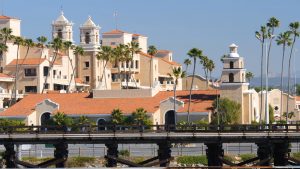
(272, 141)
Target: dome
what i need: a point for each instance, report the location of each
(89, 23)
(62, 19)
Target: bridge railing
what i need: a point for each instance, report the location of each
(150, 128)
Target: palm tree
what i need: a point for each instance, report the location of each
(6, 34)
(151, 51)
(140, 117)
(134, 49)
(187, 62)
(210, 67)
(205, 65)
(249, 76)
(62, 120)
(57, 45)
(127, 58)
(29, 44)
(117, 117)
(284, 40)
(3, 48)
(193, 54)
(105, 54)
(17, 41)
(294, 26)
(118, 57)
(261, 36)
(67, 45)
(176, 74)
(78, 51)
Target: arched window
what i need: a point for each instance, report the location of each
(87, 38)
(231, 65)
(231, 77)
(59, 33)
(45, 117)
(101, 123)
(170, 117)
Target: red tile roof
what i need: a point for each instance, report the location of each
(28, 61)
(115, 31)
(81, 103)
(164, 51)
(2, 75)
(6, 17)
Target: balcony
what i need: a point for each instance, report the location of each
(5, 93)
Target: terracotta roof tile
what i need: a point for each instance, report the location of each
(6, 17)
(2, 75)
(28, 61)
(81, 103)
(115, 31)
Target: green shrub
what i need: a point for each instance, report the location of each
(189, 160)
(245, 157)
(124, 153)
(296, 155)
(80, 161)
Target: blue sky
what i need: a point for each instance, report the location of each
(176, 25)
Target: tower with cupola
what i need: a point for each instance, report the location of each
(233, 79)
(62, 28)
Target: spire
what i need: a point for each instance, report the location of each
(89, 22)
(62, 19)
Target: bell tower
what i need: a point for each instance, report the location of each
(62, 28)
(89, 35)
(233, 80)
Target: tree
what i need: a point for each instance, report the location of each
(134, 49)
(193, 54)
(140, 117)
(3, 49)
(17, 41)
(294, 30)
(61, 119)
(298, 89)
(176, 74)
(78, 51)
(57, 45)
(261, 36)
(6, 34)
(210, 67)
(117, 117)
(68, 45)
(284, 40)
(151, 51)
(228, 112)
(105, 54)
(249, 76)
(29, 44)
(187, 62)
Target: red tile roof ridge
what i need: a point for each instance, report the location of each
(7, 17)
(27, 61)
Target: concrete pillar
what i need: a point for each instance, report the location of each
(281, 153)
(264, 151)
(10, 156)
(61, 152)
(164, 153)
(112, 150)
(214, 153)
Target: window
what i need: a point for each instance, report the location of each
(87, 78)
(59, 33)
(30, 72)
(46, 71)
(54, 73)
(131, 64)
(87, 38)
(127, 64)
(112, 43)
(136, 64)
(30, 89)
(231, 77)
(46, 85)
(87, 64)
(231, 65)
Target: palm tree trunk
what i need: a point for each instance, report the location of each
(14, 92)
(175, 97)
(186, 77)
(281, 81)
(150, 79)
(188, 113)
(73, 73)
(261, 80)
(50, 68)
(289, 74)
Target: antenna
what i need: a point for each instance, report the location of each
(115, 17)
(2, 7)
